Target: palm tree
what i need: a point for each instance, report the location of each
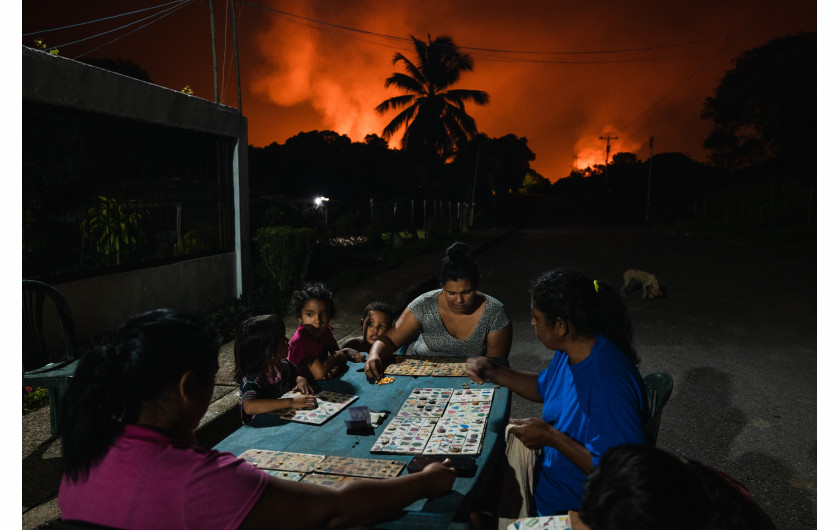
(434, 118)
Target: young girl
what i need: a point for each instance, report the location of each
(376, 320)
(313, 348)
(127, 441)
(263, 372)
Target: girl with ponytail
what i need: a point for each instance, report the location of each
(131, 459)
(592, 394)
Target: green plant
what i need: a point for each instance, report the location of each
(40, 45)
(34, 398)
(195, 241)
(285, 253)
(227, 317)
(114, 228)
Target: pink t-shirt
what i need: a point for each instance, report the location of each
(303, 346)
(144, 481)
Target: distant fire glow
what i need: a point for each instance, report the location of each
(560, 75)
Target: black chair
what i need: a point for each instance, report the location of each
(658, 386)
(41, 366)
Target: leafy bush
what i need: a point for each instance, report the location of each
(196, 241)
(34, 398)
(228, 316)
(285, 254)
(115, 229)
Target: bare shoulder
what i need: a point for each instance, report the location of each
(357, 343)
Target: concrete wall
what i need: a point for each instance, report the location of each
(100, 304)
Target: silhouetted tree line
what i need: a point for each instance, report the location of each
(286, 178)
(761, 167)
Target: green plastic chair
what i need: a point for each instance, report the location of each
(658, 386)
(42, 367)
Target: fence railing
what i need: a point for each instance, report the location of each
(103, 193)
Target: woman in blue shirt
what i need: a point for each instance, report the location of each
(592, 394)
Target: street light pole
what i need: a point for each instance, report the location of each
(322, 201)
(650, 175)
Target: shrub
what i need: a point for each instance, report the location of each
(228, 316)
(34, 398)
(285, 254)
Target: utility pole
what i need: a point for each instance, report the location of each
(236, 57)
(475, 179)
(607, 162)
(650, 174)
(213, 45)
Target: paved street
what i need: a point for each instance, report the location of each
(738, 333)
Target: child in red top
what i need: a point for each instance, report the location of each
(313, 348)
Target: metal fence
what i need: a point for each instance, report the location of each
(103, 193)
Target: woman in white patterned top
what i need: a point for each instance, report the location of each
(454, 321)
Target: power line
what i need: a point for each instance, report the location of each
(172, 10)
(494, 50)
(323, 23)
(101, 19)
(725, 45)
(592, 52)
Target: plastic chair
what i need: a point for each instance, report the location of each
(658, 386)
(42, 367)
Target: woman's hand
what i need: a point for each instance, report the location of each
(440, 477)
(305, 401)
(305, 386)
(480, 369)
(534, 433)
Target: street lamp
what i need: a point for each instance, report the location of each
(321, 201)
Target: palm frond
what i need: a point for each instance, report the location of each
(478, 97)
(405, 82)
(399, 120)
(410, 68)
(394, 103)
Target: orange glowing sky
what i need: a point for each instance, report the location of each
(639, 69)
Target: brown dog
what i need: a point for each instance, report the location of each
(650, 285)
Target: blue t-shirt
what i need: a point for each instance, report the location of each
(599, 402)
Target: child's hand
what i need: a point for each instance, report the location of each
(305, 386)
(374, 369)
(352, 355)
(305, 401)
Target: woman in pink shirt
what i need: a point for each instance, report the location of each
(131, 459)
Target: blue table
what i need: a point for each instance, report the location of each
(267, 431)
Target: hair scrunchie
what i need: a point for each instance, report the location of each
(595, 282)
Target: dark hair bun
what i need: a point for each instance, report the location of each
(457, 250)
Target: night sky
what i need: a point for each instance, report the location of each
(561, 74)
